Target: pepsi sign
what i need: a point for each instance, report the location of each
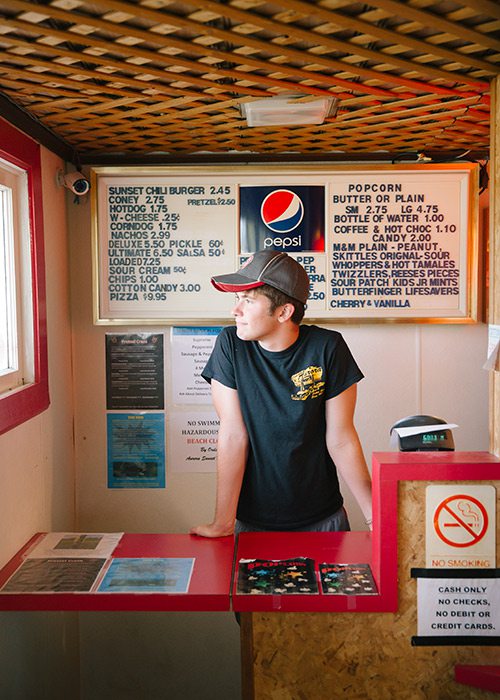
(291, 219)
(282, 211)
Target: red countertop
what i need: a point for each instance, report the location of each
(484, 677)
(209, 587)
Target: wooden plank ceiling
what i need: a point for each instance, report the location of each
(150, 77)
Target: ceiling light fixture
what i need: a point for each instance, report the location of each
(288, 110)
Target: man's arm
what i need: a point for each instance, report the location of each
(232, 449)
(345, 448)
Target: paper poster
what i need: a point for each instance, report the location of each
(136, 450)
(134, 371)
(493, 353)
(190, 351)
(193, 441)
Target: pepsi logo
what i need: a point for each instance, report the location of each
(247, 262)
(282, 211)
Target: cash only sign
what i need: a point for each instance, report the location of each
(386, 243)
(458, 595)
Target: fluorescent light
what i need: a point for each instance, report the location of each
(287, 110)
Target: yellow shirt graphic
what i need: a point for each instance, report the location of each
(308, 383)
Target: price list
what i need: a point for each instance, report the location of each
(396, 244)
(163, 241)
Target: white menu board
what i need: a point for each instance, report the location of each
(394, 243)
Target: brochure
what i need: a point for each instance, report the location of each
(75, 544)
(158, 575)
(54, 575)
(277, 576)
(347, 579)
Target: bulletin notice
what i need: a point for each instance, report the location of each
(395, 243)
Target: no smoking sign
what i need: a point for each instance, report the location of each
(461, 520)
(460, 526)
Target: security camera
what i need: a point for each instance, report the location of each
(76, 182)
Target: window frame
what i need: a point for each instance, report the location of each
(25, 402)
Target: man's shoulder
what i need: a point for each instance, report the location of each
(314, 333)
(227, 334)
(228, 331)
(228, 339)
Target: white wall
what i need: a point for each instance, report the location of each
(409, 368)
(39, 651)
(426, 369)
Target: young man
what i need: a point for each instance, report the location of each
(285, 395)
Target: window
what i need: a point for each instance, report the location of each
(8, 351)
(16, 298)
(23, 343)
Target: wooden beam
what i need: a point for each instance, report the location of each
(494, 261)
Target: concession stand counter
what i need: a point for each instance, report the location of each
(323, 646)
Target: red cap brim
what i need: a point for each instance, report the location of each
(232, 287)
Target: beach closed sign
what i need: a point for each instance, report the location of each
(460, 526)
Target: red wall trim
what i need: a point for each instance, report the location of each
(26, 402)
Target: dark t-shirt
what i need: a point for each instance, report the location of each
(290, 480)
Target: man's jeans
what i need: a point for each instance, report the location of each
(334, 523)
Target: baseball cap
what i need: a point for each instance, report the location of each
(270, 267)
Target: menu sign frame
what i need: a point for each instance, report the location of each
(394, 243)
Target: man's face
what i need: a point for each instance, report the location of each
(253, 316)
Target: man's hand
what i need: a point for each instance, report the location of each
(232, 449)
(212, 530)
